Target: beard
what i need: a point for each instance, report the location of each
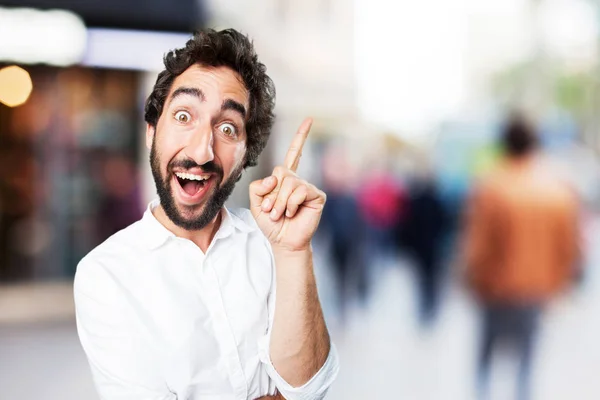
(188, 218)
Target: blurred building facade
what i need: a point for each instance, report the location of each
(307, 48)
(71, 165)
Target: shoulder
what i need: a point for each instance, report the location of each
(102, 266)
(484, 184)
(123, 243)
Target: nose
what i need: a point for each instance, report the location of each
(200, 147)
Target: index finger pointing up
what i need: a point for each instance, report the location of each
(292, 158)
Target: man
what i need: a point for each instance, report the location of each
(195, 301)
(521, 247)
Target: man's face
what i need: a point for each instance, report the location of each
(198, 147)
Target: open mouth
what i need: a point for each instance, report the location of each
(192, 184)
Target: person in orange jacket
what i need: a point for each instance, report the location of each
(521, 247)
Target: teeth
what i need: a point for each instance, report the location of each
(192, 177)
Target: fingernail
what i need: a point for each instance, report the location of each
(273, 213)
(288, 213)
(267, 180)
(265, 203)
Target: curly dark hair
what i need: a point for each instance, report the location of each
(231, 49)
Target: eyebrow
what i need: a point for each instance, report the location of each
(235, 106)
(190, 91)
(228, 104)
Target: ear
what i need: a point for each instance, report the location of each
(150, 130)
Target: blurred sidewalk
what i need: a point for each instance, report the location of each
(383, 353)
(41, 357)
(36, 302)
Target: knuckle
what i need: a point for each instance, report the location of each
(290, 181)
(254, 190)
(321, 194)
(282, 197)
(279, 171)
(303, 188)
(281, 204)
(283, 172)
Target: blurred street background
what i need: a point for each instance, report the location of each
(410, 101)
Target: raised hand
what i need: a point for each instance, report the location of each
(287, 208)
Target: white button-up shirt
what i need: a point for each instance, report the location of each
(159, 319)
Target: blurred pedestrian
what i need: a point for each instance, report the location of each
(343, 225)
(521, 248)
(422, 231)
(381, 201)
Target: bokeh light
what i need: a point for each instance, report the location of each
(15, 86)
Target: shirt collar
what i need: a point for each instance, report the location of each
(231, 221)
(154, 234)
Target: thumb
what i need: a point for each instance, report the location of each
(259, 189)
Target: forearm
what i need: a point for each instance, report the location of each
(299, 339)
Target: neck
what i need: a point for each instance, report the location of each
(202, 237)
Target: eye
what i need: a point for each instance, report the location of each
(183, 117)
(228, 129)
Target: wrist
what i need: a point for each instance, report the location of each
(292, 253)
(296, 264)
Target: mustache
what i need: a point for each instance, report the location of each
(210, 166)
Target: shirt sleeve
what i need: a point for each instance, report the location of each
(317, 386)
(121, 366)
